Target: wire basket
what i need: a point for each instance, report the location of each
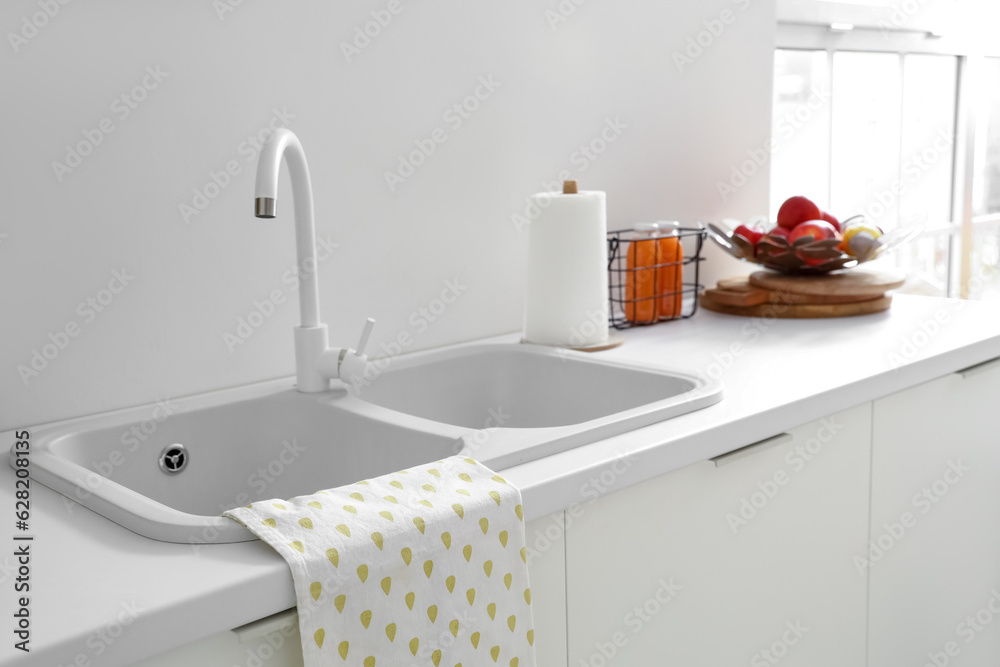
(649, 284)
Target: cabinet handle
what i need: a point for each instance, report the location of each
(971, 371)
(750, 449)
(274, 623)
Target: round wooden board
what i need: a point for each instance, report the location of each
(853, 282)
(799, 310)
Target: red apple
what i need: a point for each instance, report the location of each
(796, 210)
(817, 229)
(751, 233)
(823, 215)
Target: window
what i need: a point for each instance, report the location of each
(986, 200)
(902, 126)
(985, 253)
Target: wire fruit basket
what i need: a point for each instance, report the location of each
(654, 278)
(808, 256)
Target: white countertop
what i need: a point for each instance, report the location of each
(87, 571)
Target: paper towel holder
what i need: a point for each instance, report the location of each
(567, 265)
(614, 340)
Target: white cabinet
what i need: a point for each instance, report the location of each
(748, 563)
(275, 643)
(934, 557)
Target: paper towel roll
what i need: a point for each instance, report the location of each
(567, 289)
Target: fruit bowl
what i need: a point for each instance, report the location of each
(808, 255)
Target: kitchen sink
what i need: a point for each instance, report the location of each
(524, 402)
(271, 441)
(168, 471)
(533, 387)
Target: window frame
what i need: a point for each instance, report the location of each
(805, 25)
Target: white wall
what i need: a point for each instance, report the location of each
(163, 334)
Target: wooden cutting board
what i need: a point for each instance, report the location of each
(853, 282)
(772, 294)
(739, 292)
(799, 310)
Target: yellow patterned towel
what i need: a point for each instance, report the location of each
(425, 566)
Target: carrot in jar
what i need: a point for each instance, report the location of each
(641, 299)
(670, 274)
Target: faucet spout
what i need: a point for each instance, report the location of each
(283, 144)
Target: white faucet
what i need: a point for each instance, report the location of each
(316, 363)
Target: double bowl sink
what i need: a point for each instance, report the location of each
(169, 470)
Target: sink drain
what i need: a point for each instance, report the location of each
(173, 459)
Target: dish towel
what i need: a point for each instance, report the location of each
(425, 566)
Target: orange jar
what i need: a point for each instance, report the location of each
(642, 303)
(669, 272)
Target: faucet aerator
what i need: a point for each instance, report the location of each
(264, 207)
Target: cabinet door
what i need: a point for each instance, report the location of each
(748, 563)
(275, 642)
(546, 558)
(934, 556)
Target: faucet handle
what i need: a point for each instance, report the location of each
(365, 335)
(353, 364)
